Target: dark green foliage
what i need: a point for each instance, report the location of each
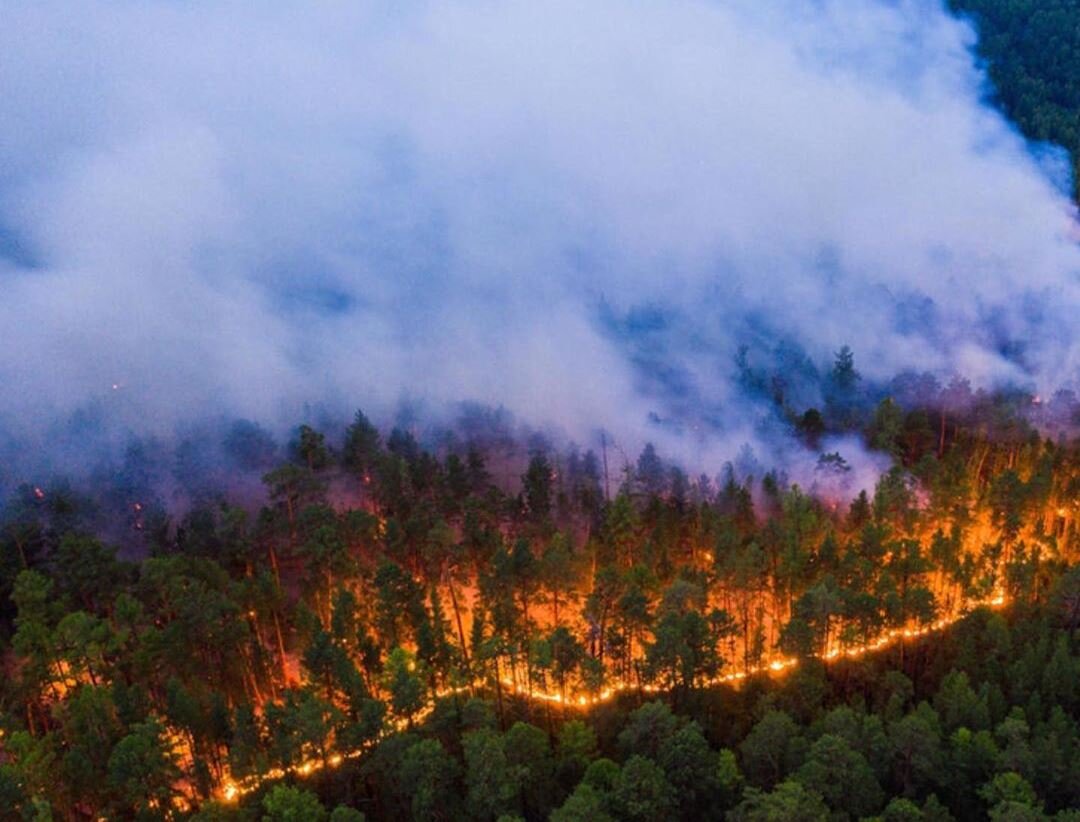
(287, 804)
(376, 649)
(1033, 48)
(428, 776)
(772, 749)
(789, 801)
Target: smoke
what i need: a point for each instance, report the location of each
(578, 212)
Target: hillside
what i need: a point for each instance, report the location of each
(1032, 49)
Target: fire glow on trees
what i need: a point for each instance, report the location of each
(231, 790)
(376, 583)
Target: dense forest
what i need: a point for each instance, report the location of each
(384, 619)
(396, 630)
(1032, 51)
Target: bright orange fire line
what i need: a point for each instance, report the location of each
(231, 790)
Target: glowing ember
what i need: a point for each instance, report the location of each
(231, 791)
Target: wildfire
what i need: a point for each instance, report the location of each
(231, 790)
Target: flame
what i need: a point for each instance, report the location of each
(231, 790)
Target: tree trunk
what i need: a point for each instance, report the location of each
(281, 650)
(274, 563)
(22, 553)
(457, 619)
(499, 694)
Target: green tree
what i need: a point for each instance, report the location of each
(685, 646)
(362, 448)
(285, 803)
(489, 777)
(729, 779)
(575, 749)
(428, 773)
(343, 813)
(901, 810)
(648, 730)
(642, 792)
(528, 754)
(841, 776)
(557, 573)
(537, 488)
(403, 678)
(771, 750)
(917, 756)
(1010, 797)
(143, 770)
(886, 427)
(310, 448)
(841, 391)
(693, 770)
(650, 475)
(1031, 48)
(958, 705)
(788, 802)
(585, 804)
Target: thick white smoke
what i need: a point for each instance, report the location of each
(241, 207)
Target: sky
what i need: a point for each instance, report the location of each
(578, 212)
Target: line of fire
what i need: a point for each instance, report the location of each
(381, 578)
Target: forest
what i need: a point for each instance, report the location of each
(396, 632)
(1032, 50)
(872, 613)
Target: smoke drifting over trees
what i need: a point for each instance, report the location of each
(583, 214)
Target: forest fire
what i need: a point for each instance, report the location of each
(288, 644)
(723, 368)
(233, 790)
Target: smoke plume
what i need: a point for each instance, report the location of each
(579, 212)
